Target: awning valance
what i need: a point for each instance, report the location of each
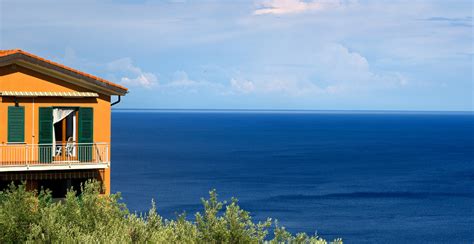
(50, 175)
(47, 94)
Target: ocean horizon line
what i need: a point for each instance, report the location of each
(312, 111)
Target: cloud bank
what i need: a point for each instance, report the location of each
(319, 54)
(279, 7)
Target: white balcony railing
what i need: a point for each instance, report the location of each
(19, 157)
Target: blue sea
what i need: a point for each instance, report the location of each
(368, 177)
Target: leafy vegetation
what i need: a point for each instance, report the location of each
(32, 217)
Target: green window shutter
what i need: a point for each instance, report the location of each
(45, 152)
(45, 134)
(16, 124)
(86, 134)
(86, 125)
(45, 125)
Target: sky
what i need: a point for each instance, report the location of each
(259, 54)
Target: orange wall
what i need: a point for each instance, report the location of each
(17, 78)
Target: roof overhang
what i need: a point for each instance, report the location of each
(64, 73)
(48, 94)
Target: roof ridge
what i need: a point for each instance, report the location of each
(10, 51)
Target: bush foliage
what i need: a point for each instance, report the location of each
(89, 217)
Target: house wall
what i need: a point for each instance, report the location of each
(17, 78)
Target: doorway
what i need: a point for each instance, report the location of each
(65, 133)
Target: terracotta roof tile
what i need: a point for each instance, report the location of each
(19, 51)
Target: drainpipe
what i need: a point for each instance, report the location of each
(116, 102)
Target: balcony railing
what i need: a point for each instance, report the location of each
(19, 157)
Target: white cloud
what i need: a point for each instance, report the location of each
(291, 87)
(320, 69)
(146, 80)
(121, 70)
(180, 82)
(336, 63)
(278, 7)
(299, 70)
(242, 85)
(282, 87)
(132, 75)
(350, 71)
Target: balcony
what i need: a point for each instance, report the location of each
(31, 157)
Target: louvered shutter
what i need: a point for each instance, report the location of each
(45, 134)
(16, 124)
(86, 134)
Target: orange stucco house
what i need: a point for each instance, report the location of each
(55, 124)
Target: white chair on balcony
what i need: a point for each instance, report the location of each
(70, 147)
(58, 150)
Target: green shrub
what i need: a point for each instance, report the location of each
(32, 217)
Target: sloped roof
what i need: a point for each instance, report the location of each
(10, 56)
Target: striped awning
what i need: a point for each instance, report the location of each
(50, 175)
(47, 94)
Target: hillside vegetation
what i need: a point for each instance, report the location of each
(32, 217)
